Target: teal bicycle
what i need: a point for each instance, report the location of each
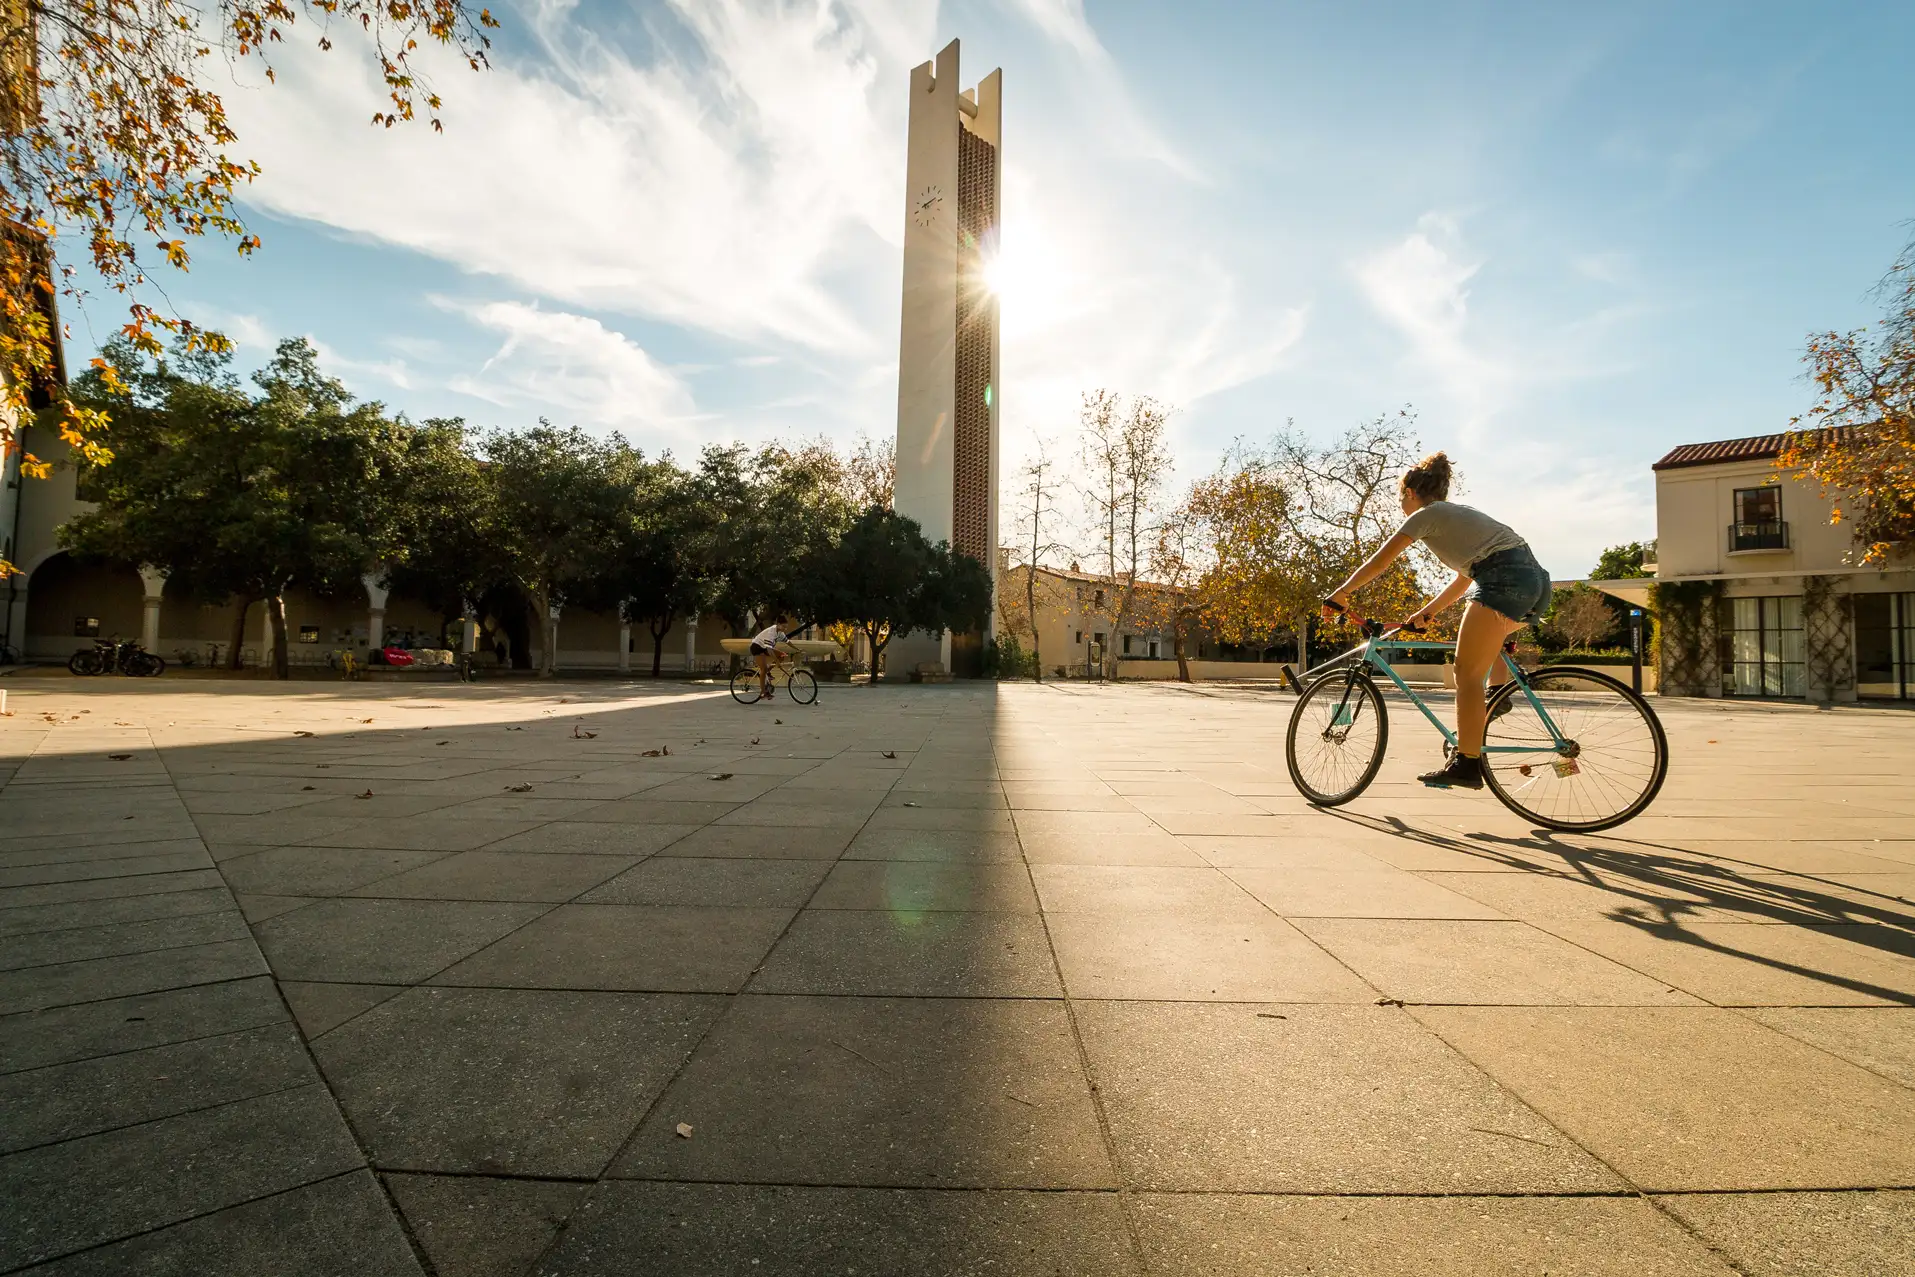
(1567, 748)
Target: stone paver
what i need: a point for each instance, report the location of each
(933, 980)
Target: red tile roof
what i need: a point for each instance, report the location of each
(1753, 448)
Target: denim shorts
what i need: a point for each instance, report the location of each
(1512, 583)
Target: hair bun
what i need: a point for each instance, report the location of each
(1429, 478)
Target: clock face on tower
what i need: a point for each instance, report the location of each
(925, 208)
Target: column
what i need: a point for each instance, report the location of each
(691, 645)
(624, 645)
(377, 592)
(551, 660)
(17, 616)
(152, 584)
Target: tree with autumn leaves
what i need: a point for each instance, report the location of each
(1858, 441)
(113, 133)
(1279, 525)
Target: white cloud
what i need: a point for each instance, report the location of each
(717, 189)
(566, 365)
(1420, 285)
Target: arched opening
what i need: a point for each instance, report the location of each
(72, 601)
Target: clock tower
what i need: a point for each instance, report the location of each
(948, 392)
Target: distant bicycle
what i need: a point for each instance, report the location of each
(800, 682)
(112, 656)
(1567, 748)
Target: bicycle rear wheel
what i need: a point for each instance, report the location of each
(746, 688)
(1608, 768)
(1336, 741)
(146, 665)
(85, 661)
(803, 686)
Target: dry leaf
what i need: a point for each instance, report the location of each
(580, 734)
(302, 733)
(910, 804)
(519, 789)
(367, 794)
(653, 753)
(719, 776)
(754, 740)
(441, 742)
(308, 787)
(667, 751)
(119, 758)
(684, 1130)
(515, 729)
(365, 720)
(890, 753)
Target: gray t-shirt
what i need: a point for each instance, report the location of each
(1459, 535)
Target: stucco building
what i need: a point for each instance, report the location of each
(1756, 591)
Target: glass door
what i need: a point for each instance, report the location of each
(1765, 648)
(1885, 646)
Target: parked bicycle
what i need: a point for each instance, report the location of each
(112, 656)
(1567, 748)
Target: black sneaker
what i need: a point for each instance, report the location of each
(1461, 771)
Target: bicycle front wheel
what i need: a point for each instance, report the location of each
(803, 686)
(746, 688)
(1337, 736)
(146, 665)
(1602, 763)
(84, 662)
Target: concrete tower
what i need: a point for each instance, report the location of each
(948, 401)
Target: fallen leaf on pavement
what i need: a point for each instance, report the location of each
(365, 720)
(777, 722)
(684, 1130)
(519, 789)
(367, 794)
(1389, 1002)
(302, 733)
(119, 758)
(719, 776)
(755, 740)
(306, 787)
(890, 753)
(441, 742)
(910, 804)
(654, 753)
(515, 729)
(579, 734)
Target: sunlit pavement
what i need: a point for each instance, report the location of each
(368, 979)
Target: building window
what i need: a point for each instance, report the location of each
(309, 634)
(1153, 649)
(1758, 520)
(86, 627)
(1763, 655)
(1126, 645)
(1080, 636)
(1885, 646)
(1097, 601)
(1097, 640)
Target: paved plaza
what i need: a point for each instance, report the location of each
(613, 978)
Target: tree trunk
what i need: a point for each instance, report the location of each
(1303, 644)
(542, 607)
(276, 613)
(658, 643)
(1030, 608)
(1177, 646)
(877, 648)
(238, 644)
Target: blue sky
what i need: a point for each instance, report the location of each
(1571, 236)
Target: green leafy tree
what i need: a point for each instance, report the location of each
(1620, 562)
(554, 518)
(242, 496)
(885, 578)
(438, 517)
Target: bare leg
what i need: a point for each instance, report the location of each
(764, 676)
(1478, 644)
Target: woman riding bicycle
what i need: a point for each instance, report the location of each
(768, 645)
(1496, 574)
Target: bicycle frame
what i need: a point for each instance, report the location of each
(1372, 653)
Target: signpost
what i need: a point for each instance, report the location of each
(1635, 649)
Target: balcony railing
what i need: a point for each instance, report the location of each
(1759, 536)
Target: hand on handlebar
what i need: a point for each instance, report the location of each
(1331, 610)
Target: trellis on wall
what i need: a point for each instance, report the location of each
(1688, 663)
(1827, 639)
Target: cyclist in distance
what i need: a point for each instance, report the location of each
(767, 646)
(1503, 584)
